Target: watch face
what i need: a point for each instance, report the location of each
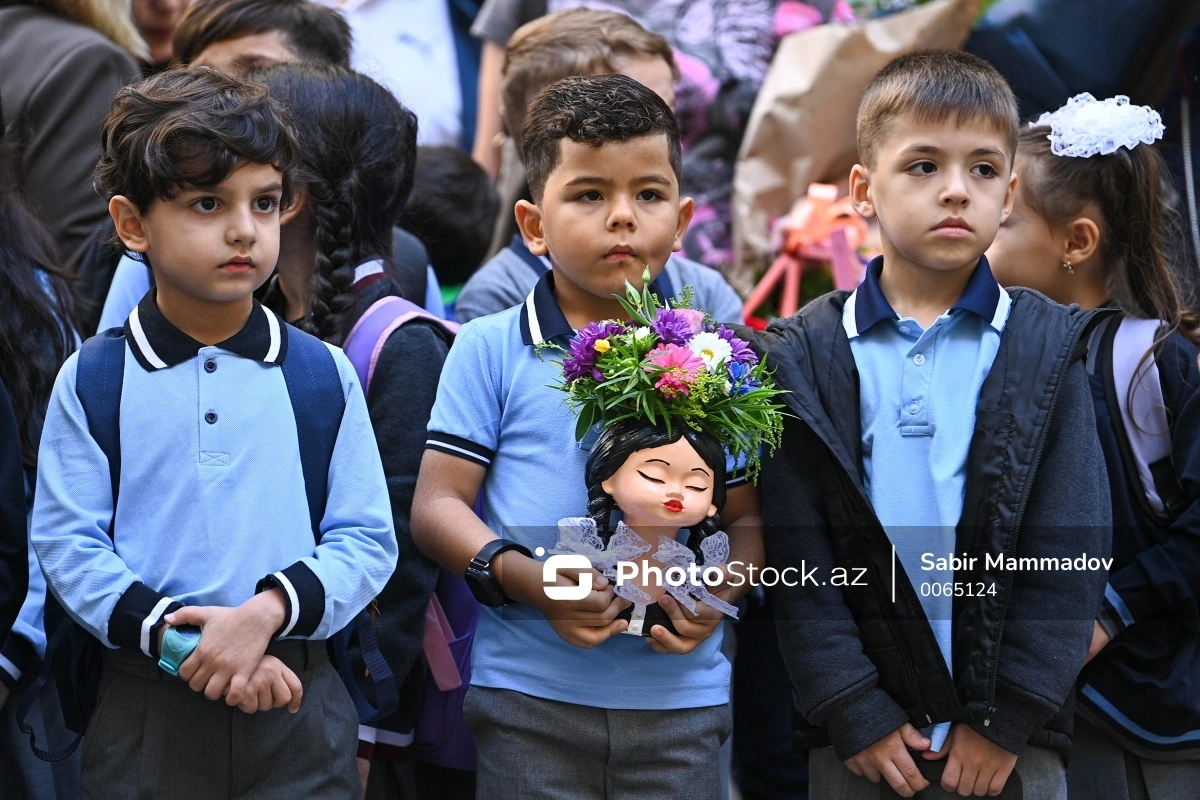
(484, 586)
(188, 633)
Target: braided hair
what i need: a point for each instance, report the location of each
(358, 150)
(621, 440)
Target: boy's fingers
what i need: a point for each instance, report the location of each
(982, 781)
(913, 737)
(189, 615)
(996, 786)
(674, 644)
(295, 687)
(201, 674)
(907, 768)
(236, 692)
(897, 781)
(216, 687)
(951, 775)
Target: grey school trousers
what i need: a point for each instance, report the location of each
(535, 749)
(1103, 770)
(1039, 775)
(153, 738)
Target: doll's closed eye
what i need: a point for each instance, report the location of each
(647, 477)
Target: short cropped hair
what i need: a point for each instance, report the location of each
(580, 41)
(592, 110)
(935, 86)
(189, 128)
(452, 209)
(314, 31)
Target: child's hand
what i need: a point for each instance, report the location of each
(232, 644)
(1100, 640)
(692, 628)
(976, 766)
(590, 621)
(273, 685)
(889, 759)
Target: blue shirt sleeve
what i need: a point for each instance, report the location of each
(465, 421)
(72, 509)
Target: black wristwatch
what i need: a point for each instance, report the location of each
(482, 580)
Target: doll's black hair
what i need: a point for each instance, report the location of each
(622, 439)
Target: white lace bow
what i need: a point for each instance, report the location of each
(1086, 126)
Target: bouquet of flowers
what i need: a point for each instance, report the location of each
(673, 363)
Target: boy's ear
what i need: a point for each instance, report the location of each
(687, 207)
(1083, 239)
(299, 203)
(529, 220)
(860, 191)
(1010, 197)
(128, 220)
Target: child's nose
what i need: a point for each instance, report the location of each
(954, 192)
(622, 215)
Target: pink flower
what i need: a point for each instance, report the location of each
(679, 366)
(695, 319)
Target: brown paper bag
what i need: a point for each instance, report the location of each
(801, 129)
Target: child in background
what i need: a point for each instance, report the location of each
(196, 166)
(1090, 226)
(36, 336)
(234, 36)
(936, 415)
(358, 146)
(563, 706)
(451, 209)
(577, 42)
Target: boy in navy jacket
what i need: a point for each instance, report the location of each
(941, 481)
(212, 527)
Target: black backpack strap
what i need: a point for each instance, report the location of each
(72, 655)
(315, 389)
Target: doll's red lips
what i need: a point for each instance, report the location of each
(673, 506)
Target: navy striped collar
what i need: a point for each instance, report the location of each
(981, 296)
(156, 343)
(542, 319)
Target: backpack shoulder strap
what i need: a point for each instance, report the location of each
(1117, 355)
(1144, 413)
(371, 332)
(99, 375)
(315, 390)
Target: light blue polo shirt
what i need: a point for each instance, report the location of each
(495, 407)
(918, 389)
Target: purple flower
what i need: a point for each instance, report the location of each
(742, 354)
(582, 359)
(672, 327)
(740, 380)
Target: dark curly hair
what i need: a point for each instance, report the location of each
(189, 128)
(358, 146)
(592, 110)
(620, 440)
(36, 333)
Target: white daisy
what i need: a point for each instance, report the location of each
(711, 348)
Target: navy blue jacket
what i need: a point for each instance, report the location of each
(863, 658)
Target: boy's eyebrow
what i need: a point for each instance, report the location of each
(271, 187)
(597, 180)
(932, 149)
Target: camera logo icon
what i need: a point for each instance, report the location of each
(550, 569)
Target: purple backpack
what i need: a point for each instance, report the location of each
(441, 735)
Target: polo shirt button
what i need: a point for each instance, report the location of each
(210, 418)
(210, 366)
(912, 407)
(904, 329)
(919, 359)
